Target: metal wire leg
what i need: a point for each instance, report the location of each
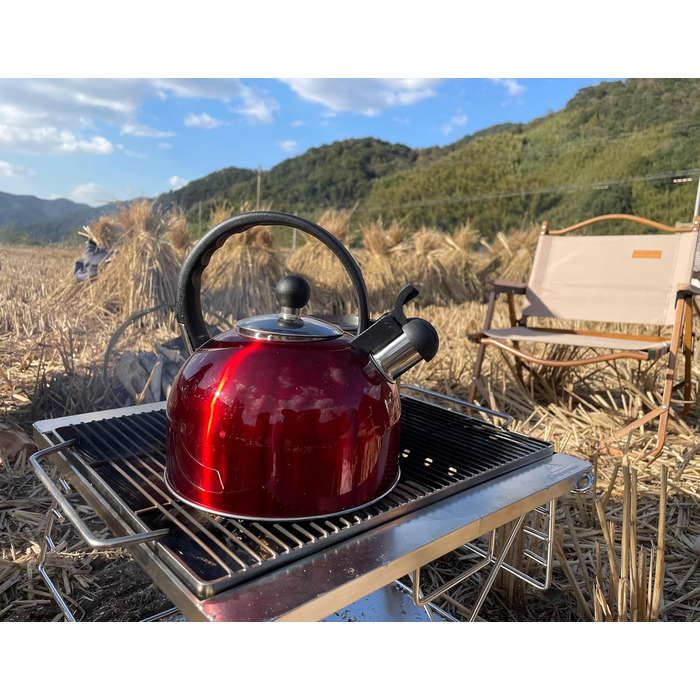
(45, 545)
(498, 564)
(496, 568)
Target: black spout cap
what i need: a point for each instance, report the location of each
(423, 338)
(387, 327)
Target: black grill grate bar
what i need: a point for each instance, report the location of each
(440, 449)
(212, 521)
(467, 456)
(95, 437)
(149, 429)
(476, 452)
(428, 477)
(422, 415)
(433, 463)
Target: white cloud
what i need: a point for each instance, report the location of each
(459, 119)
(97, 145)
(129, 153)
(92, 194)
(49, 138)
(513, 87)
(69, 115)
(176, 182)
(203, 121)
(256, 106)
(143, 130)
(297, 123)
(290, 146)
(165, 146)
(224, 89)
(368, 96)
(9, 170)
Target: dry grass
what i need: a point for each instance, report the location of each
(510, 257)
(382, 275)
(331, 288)
(241, 277)
(624, 551)
(148, 247)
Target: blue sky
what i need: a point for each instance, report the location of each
(98, 140)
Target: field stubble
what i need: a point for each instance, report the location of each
(610, 543)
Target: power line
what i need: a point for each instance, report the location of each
(527, 151)
(576, 145)
(525, 193)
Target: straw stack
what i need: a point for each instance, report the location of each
(179, 233)
(380, 269)
(459, 259)
(331, 288)
(512, 256)
(104, 232)
(241, 277)
(143, 267)
(425, 269)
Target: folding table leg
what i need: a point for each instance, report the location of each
(496, 568)
(47, 544)
(497, 563)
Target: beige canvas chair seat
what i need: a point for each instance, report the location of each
(610, 280)
(523, 334)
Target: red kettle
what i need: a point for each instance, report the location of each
(286, 416)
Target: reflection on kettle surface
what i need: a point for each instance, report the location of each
(287, 416)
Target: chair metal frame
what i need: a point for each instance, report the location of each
(680, 339)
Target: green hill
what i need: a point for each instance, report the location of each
(336, 175)
(206, 188)
(617, 147)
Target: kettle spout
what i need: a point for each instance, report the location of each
(395, 343)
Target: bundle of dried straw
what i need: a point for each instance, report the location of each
(511, 256)
(423, 265)
(147, 248)
(241, 277)
(331, 288)
(382, 274)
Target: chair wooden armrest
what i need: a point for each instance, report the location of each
(504, 286)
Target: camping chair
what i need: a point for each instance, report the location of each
(631, 279)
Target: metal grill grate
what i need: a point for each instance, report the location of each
(442, 452)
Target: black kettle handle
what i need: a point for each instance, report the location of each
(188, 302)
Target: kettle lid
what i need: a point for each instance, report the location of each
(293, 293)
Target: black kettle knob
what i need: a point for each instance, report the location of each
(293, 292)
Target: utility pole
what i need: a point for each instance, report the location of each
(257, 204)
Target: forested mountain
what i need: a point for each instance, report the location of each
(206, 188)
(617, 147)
(337, 175)
(24, 210)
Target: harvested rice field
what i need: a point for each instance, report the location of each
(627, 550)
